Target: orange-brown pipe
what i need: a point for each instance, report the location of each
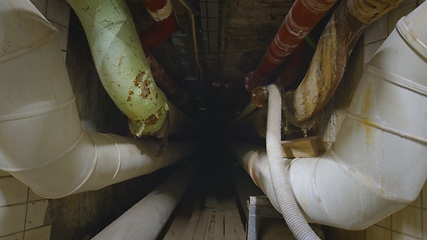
(293, 65)
(164, 23)
(301, 19)
(165, 82)
(329, 61)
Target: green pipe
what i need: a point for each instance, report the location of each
(244, 113)
(121, 63)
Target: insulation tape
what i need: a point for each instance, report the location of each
(162, 13)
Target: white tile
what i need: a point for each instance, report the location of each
(40, 5)
(378, 233)
(408, 221)
(62, 35)
(42, 233)
(417, 202)
(370, 50)
(386, 222)
(424, 224)
(16, 236)
(58, 12)
(4, 174)
(36, 213)
(376, 31)
(400, 236)
(12, 191)
(12, 219)
(32, 196)
(424, 196)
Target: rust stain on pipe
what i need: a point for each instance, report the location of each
(365, 109)
(143, 84)
(152, 119)
(335, 46)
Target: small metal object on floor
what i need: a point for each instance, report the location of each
(259, 206)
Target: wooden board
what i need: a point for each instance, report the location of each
(303, 147)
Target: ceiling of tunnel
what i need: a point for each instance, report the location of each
(232, 36)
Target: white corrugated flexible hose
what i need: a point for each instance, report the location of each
(288, 206)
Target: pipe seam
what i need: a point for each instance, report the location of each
(84, 180)
(397, 80)
(29, 114)
(58, 157)
(119, 160)
(315, 188)
(410, 37)
(26, 49)
(385, 128)
(359, 177)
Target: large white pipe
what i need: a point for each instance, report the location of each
(147, 218)
(41, 140)
(377, 164)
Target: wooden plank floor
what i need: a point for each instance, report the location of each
(208, 211)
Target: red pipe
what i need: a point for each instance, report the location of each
(293, 65)
(303, 16)
(162, 13)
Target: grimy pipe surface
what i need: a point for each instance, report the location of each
(333, 50)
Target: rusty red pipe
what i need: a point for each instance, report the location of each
(293, 65)
(178, 96)
(164, 23)
(162, 78)
(301, 19)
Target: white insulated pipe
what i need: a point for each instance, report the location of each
(377, 164)
(147, 218)
(42, 143)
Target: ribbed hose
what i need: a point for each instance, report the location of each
(290, 211)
